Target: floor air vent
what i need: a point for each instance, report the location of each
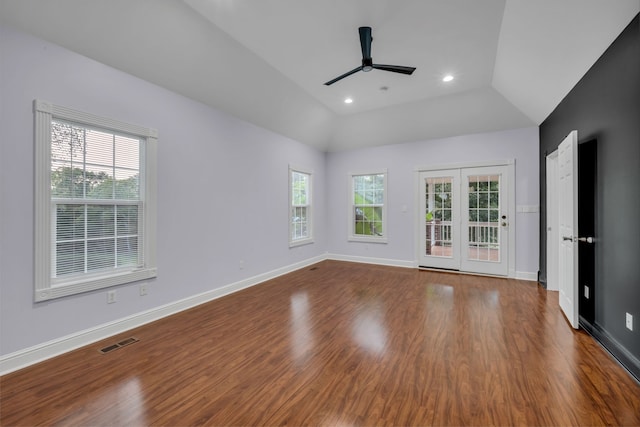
(118, 345)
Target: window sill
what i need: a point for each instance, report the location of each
(300, 242)
(66, 288)
(365, 239)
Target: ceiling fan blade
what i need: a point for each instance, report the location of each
(347, 74)
(367, 62)
(395, 68)
(365, 41)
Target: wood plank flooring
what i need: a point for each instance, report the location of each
(340, 344)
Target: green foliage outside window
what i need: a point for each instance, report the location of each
(368, 199)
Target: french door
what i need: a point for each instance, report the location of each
(464, 219)
(440, 211)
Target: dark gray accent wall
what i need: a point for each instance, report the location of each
(605, 106)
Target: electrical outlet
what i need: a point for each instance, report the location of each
(586, 291)
(143, 289)
(629, 322)
(111, 297)
(241, 264)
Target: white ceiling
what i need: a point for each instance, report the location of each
(315, 41)
(265, 61)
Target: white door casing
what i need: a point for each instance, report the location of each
(553, 235)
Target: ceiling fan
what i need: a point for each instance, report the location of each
(367, 62)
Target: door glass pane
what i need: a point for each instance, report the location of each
(484, 221)
(438, 216)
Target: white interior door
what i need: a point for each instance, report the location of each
(439, 230)
(568, 222)
(485, 220)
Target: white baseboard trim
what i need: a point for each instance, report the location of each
(369, 260)
(521, 275)
(22, 358)
(527, 275)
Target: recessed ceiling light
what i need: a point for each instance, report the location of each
(348, 100)
(447, 78)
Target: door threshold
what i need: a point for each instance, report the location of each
(452, 271)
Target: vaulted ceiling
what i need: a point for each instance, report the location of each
(265, 61)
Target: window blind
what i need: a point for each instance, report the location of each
(96, 200)
(300, 202)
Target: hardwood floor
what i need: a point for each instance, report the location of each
(340, 344)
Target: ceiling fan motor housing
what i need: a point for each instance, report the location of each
(367, 64)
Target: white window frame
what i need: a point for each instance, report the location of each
(352, 236)
(46, 287)
(309, 206)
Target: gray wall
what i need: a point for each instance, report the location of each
(605, 106)
(222, 191)
(231, 177)
(401, 161)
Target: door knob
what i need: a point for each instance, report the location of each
(579, 239)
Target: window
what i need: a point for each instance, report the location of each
(300, 230)
(95, 202)
(368, 207)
